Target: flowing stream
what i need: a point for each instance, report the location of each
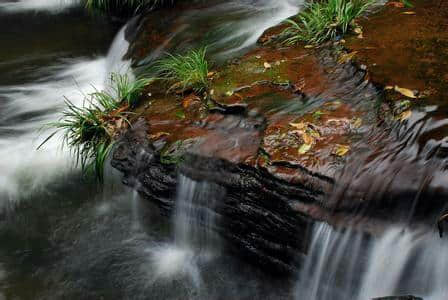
(64, 238)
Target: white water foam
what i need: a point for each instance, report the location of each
(350, 265)
(27, 108)
(37, 5)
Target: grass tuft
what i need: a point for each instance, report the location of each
(324, 20)
(188, 71)
(90, 131)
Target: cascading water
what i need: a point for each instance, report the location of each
(352, 265)
(48, 5)
(195, 241)
(24, 113)
(195, 216)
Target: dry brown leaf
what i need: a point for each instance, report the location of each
(405, 92)
(341, 150)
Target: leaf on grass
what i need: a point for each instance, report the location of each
(341, 150)
(405, 92)
(404, 115)
(308, 46)
(304, 148)
(229, 93)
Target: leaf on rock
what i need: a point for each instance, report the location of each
(357, 122)
(404, 115)
(405, 92)
(346, 57)
(304, 148)
(341, 150)
(307, 139)
(299, 126)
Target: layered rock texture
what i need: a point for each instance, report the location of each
(297, 134)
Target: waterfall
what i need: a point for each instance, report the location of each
(348, 264)
(26, 108)
(194, 217)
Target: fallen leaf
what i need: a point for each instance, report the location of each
(299, 126)
(277, 63)
(341, 150)
(212, 92)
(408, 13)
(396, 4)
(358, 30)
(309, 140)
(210, 74)
(258, 57)
(405, 92)
(404, 115)
(229, 93)
(267, 65)
(158, 135)
(346, 57)
(304, 148)
(389, 87)
(357, 122)
(308, 46)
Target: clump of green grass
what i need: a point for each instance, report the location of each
(119, 7)
(187, 71)
(324, 20)
(90, 131)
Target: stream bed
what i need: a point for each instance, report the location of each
(64, 237)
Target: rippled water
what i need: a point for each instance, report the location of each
(60, 235)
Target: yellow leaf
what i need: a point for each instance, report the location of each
(357, 122)
(309, 46)
(389, 87)
(308, 139)
(304, 148)
(267, 65)
(405, 92)
(341, 150)
(299, 126)
(404, 115)
(347, 57)
(212, 92)
(229, 93)
(358, 30)
(409, 13)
